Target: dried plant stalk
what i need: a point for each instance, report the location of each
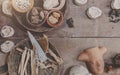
(22, 61)
(47, 50)
(20, 50)
(27, 58)
(26, 71)
(58, 59)
(33, 67)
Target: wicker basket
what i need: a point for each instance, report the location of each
(15, 57)
(20, 18)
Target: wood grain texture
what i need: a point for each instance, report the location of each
(71, 41)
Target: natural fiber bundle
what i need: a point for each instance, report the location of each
(20, 51)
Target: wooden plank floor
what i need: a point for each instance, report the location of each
(71, 41)
(84, 27)
(70, 49)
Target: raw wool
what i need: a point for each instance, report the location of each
(115, 4)
(7, 31)
(49, 4)
(7, 46)
(35, 19)
(42, 14)
(23, 4)
(54, 17)
(53, 20)
(34, 12)
(79, 70)
(7, 7)
(94, 12)
(37, 16)
(94, 56)
(80, 2)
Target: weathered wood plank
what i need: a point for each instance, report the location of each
(70, 49)
(85, 27)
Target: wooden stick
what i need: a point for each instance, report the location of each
(19, 70)
(27, 58)
(36, 57)
(20, 50)
(32, 63)
(58, 59)
(25, 71)
(22, 61)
